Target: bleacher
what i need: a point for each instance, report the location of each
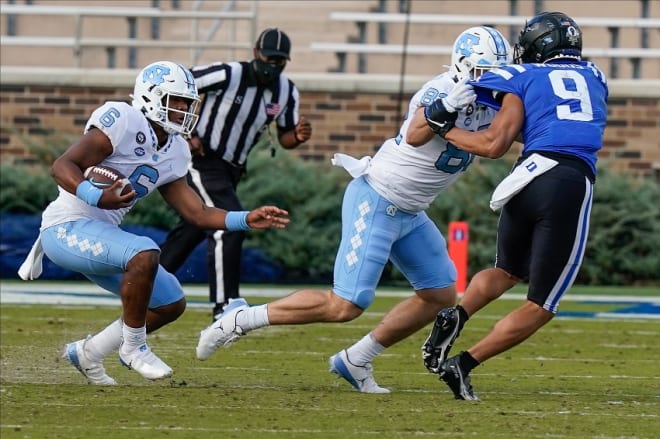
(66, 55)
(328, 36)
(362, 47)
(95, 36)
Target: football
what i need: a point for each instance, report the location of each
(103, 177)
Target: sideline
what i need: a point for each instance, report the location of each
(86, 293)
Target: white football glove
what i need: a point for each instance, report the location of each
(460, 96)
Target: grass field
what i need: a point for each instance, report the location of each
(576, 378)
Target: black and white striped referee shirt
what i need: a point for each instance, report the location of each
(237, 109)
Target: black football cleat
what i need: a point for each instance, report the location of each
(446, 328)
(458, 381)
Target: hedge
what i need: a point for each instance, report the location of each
(623, 247)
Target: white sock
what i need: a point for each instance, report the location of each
(133, 338)
(252, 318)
(104, 342)
(364, 350)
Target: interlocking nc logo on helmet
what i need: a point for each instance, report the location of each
(464, 44)
(155, 74)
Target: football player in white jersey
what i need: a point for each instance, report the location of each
(383, 217)
(80, 229)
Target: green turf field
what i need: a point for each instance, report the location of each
(576, 378)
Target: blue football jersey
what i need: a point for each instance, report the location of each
(565, 105)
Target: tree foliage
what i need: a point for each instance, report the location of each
(623, 247)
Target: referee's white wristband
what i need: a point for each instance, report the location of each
(237, 220)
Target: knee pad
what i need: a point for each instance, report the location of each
(364, 298)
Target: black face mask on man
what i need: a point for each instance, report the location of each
(267, 73)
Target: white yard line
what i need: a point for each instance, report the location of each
(16, 292)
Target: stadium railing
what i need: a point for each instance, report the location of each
(77, 42)
(361, 47)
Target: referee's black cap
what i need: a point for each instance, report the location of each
(274, 42)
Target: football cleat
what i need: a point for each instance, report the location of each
(74, 353)
(217, 311)
(459, 382)
(146, 363)
(360, 377)
(446, 328)
(223, 331)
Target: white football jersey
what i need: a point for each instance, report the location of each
(135, 154)
(411, 177)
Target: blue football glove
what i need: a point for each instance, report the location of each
(441, 115)
(439, 118)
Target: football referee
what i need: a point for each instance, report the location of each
(241, 99)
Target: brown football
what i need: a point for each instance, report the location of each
(103, 177)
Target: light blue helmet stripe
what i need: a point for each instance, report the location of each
(500, 46)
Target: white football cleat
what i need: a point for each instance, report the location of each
(146, 363)
(74, 353)
(223, 331)
(360, 377)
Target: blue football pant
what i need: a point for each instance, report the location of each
(373, 231)
(100, 251)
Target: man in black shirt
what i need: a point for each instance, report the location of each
(241, 99)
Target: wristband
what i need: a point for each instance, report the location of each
(89, 193)
(237, 220)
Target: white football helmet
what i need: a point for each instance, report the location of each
(478, 49)
(154, 87)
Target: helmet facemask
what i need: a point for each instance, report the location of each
(190, 116)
